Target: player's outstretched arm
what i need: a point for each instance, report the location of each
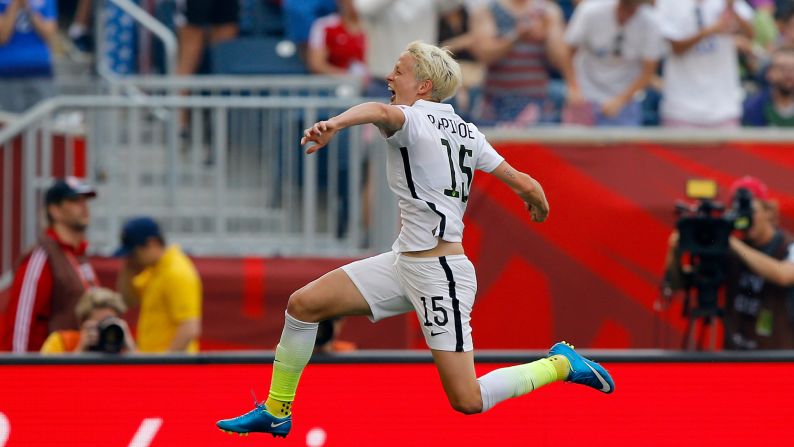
(527, 188)
(388, 119)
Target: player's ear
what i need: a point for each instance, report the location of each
(425, 87)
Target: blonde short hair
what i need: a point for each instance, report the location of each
(99, 298)
(437, 65)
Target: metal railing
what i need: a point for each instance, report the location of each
(16, 235)
(296, 85)
(236, 181)
(225, 174)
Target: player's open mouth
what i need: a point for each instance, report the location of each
(393, 95)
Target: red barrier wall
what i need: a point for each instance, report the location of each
(394, 405)
(245, 299)
(591, 272)
(589, 275)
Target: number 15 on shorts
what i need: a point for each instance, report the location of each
(440, 317)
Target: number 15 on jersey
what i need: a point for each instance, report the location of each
(465, 184)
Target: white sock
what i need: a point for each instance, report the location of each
(292, 355)
(504, 383)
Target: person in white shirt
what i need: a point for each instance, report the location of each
(614, 49)
(701, 77)
(431, 161)
(390, 25)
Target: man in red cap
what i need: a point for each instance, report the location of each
(53, 274)
(759, 310)
(759, 276)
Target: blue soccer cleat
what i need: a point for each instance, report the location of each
(257, 420)
(584, 371)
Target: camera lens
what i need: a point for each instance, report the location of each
(111, 336)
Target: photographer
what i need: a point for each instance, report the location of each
(759, 280)
(102, 329)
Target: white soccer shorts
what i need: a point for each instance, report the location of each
(440, 289)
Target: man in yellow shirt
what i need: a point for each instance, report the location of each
(166, 285)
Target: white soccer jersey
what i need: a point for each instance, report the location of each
(431, 168)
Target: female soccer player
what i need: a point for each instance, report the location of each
(431, 161)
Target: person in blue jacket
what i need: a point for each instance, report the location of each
(26, 27)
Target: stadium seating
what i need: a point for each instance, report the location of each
(272, 55)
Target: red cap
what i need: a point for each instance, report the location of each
(752, 184)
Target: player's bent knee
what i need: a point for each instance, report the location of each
(305, 306)
(466, 406)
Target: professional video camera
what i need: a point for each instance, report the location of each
(704, 230)
(705, 227)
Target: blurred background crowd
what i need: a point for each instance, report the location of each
(693, 63)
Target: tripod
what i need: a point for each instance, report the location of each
(706, 310)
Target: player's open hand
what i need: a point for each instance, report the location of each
(319, 134)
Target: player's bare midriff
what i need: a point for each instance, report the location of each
(443, 248)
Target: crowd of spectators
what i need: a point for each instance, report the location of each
(687, 63)
(679, 63)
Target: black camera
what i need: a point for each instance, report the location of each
(111, 336)
(704, 231)
(705, 228)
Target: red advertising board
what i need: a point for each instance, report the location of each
(655, 404)
(591, 273)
